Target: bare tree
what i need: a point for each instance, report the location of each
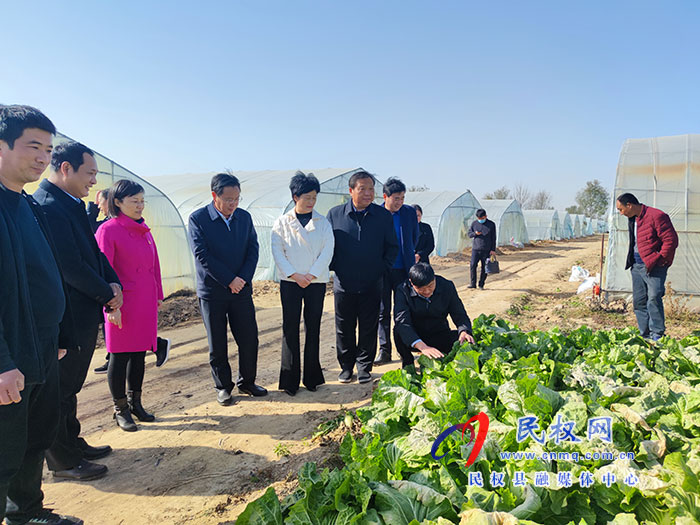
(542, 200)
(522, 194)
(418, 188)
(500, 193)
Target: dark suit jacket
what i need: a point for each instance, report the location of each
(365, 247)
(426, 242)
(85, 269)
(409, 235)
(417, 317)
(220, 254)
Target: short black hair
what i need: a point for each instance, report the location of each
(70, 152)
(393, 185)
(481, 212)
(417, 208)
(222, 180)
(121, 190)
(421, 274)
(15, 119)
(627, 198)
(302, 183)
(358, 176)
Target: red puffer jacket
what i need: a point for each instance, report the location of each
(657, 239)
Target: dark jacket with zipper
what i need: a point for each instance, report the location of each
(365, 247)
(417, 317)
(19, 346)
(426, 242)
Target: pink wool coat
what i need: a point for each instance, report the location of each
(131, 251)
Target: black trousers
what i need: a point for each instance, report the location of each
(392, 279)
(478, 256)
(292, 296)
(27, 429)
(239, 314)
(67, 450)
(125, 367)
(357, 311)
(443, 341)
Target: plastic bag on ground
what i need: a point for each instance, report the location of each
(578, 274)
(587, 284)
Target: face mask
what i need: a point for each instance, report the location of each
(482, 221)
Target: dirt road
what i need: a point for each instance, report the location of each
(200, 462)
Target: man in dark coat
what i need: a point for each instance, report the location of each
(225, 247)
(421, 307)
(483, 233)
(426, 239)
(365, 249)
(406, 228)
(92, 285)
(653, 243)
(33, 304)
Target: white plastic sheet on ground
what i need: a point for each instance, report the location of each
(662, 172)
(449, 213)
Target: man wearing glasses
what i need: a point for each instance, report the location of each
(225, 247)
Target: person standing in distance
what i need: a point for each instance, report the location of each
(33, 304)
(225, 247)
(406, 229)
(426, 240)
(365, 249)
(483, 233)
(653, 243)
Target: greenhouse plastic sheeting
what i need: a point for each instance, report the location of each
(449, 213)
(176, 265)
(542, 224)
(510, 223)
(577, 224)
(264, 194)
(565, 224)
(664, 173)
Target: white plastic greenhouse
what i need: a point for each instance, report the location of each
(577, 224)
(662, 172)
(588, 226)
(542, 224)
(449, 213)
(565, 224)
(510, 223)
(264, 194)
(177, 267)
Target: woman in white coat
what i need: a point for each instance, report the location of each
(302, 246)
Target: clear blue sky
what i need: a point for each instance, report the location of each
(450, 94)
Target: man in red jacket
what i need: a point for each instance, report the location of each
(653, 243)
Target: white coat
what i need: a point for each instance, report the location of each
(298, 249)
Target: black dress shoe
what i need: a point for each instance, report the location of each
(471, 286)
(46, 517)
(252, 390)
(85, 471)
(102, 369)
(383, 358)
(289, 392)
(90, 452)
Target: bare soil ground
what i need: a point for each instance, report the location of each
(201, 463)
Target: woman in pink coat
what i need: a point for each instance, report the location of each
(131, 331)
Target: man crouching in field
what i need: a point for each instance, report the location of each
(421, 307)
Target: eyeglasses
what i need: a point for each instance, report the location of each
(233, 201)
